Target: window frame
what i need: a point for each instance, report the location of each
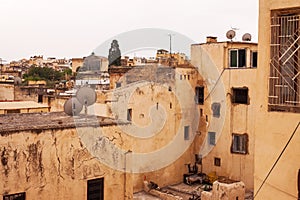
(252, 61)
(99, 181)
(186, 132)
(239, 143)
(199, 99)
(16, 196)
(237, 50)
(234, 99)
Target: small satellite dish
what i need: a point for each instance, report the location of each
(230, 34)
(86, 96)
(246, 37)
(72, 106)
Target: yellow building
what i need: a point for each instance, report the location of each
(277, 131)
(230, 73)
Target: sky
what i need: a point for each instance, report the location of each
(73, 28)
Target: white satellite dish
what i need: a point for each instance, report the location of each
(72, 106)
(246, 37)
(86, 96)
(230, 34)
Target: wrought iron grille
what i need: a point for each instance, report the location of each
(284, 80)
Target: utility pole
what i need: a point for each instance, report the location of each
(170, 36)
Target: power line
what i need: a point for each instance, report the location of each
(283, 150)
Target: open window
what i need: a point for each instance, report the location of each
(129, 114)
(199, 95)
(237, 58)
(240, 95)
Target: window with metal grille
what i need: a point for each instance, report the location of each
(284, 78)
(199, 95)
(240, 95)
(237, 58)
(95, 189)
(17, 196)
(239, 143)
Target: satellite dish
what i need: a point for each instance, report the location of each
(72, 106)
(86, 96)
(246, 37)
(230, 34)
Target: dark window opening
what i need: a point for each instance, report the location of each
(170, 89)
(239, 143)
(237, 58)
(180, 77)
(186, 133)
(240, 95)
(201, 112)
(199, 95)
(217, 162)
(254, 59)
(129, 114)
(40, 98)
(170, 105)
(17, 196)
(95, 189)
(212, 138)
(118, 84)
(13, 111)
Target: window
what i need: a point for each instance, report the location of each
(40, 98)
(212, 138)
(217, 162)
(180, 77)
(237, 58)
(17, 196)
(254, 59)
(239, 143)
(129, 114)
(118, 84)
(240, 95)
(199, 95)
(215, 107)
(284, 78)
(186, 133)
(13, 111)
(95, 189)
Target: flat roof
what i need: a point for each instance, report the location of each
(227, 42)
(10, 105)
(51, 120)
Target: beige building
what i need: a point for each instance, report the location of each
(76, 64)
(277, 131)
(7, 107)
(230, 73)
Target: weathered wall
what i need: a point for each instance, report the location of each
(6, 92)
(273, 129)
(53, 164)
(239, 118)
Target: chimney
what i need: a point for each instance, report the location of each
(211, 39)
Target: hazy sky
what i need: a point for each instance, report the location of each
(73, 28)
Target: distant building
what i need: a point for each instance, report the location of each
(8, 107)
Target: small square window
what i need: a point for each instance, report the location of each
(186, 133)
(217, 162)
(212, 138)
(240, 95)
(118, 84)
(216, 107)
(239, 143)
